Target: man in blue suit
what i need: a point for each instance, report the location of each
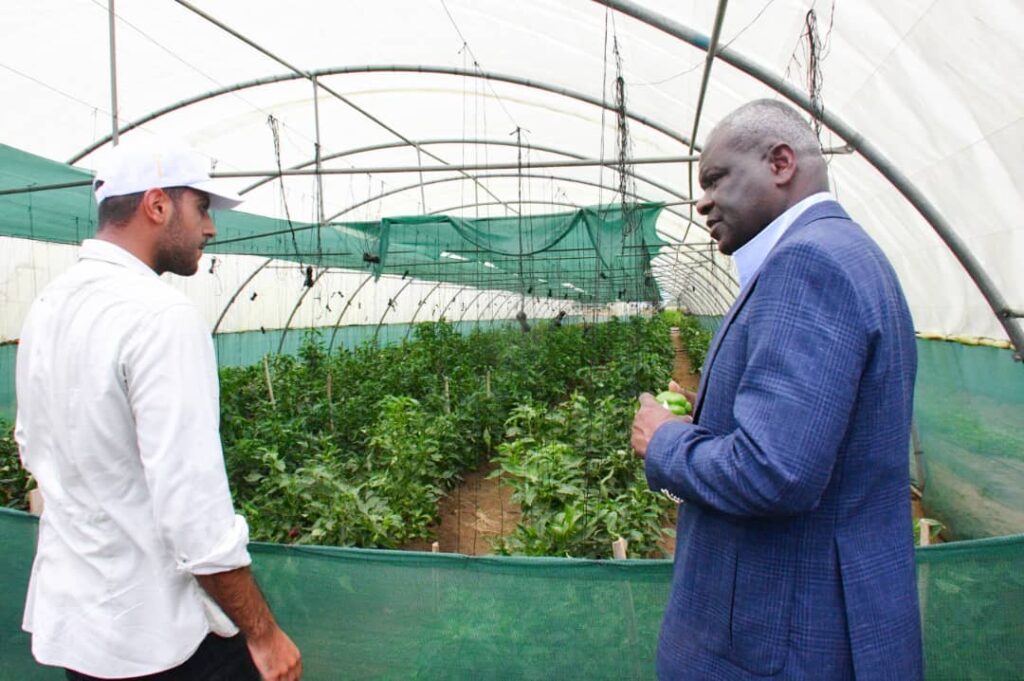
(794, 555)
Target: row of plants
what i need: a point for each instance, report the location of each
(357, 447)
(14, 480)
(695, 338)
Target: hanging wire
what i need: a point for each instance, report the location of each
(272, 122)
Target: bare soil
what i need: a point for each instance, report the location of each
(473, 515)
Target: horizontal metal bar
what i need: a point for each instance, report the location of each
(582, 163)
(45, 187)
(445, 168)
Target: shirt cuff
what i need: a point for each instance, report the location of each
(229, 553)
(658, 459)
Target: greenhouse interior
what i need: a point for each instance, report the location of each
(469, 241)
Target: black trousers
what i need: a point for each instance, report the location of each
(216, 659)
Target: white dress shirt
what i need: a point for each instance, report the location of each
(751, 255)
(118, 420)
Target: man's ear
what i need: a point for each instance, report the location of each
(156, 206)
(782, 162)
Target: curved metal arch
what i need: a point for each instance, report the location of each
(695, 288)
(287, 325)
(503, 307)
(987, 287)
(412, 322)
(453, 299)
(679, 285)
(473, 141)
(716, 274)
(237, 292)
(348, 303)
(698, 293)
(372, 68)
(694, 266)
(387, 308)
(478, 294)
(490, 306)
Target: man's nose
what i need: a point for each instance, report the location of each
(211, 229)
(704, 204)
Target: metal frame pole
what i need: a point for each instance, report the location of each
(854, 140)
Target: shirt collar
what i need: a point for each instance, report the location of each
(752, 254)
(105, 251)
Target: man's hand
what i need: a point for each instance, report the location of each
(276, 657)
(648, 418)
(274, 654)
(689, 395)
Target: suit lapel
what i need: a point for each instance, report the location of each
(716, 344)
(825, 209)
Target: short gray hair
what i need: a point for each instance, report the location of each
(768, 120)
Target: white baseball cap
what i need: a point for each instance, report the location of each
(135, 166)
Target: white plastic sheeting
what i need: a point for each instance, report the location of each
(934, 86)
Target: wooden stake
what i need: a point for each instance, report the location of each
(35, 502)
(330, 400)
(447, 397)
(270, 385)
(619, 547)
(435, 547)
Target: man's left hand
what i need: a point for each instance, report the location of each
(648, 418)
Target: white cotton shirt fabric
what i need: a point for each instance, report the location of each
(118, 420)
(752, 254)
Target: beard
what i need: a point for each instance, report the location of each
(175, 252)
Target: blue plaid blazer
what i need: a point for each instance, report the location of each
(794, 555)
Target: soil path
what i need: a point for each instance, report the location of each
(682, 370)
(472, 516)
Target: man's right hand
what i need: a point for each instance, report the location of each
(276, 657)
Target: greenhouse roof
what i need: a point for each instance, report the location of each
(919, 107)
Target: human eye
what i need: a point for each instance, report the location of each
(710, 180)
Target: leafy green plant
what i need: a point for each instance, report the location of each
(577, 482)
(358, 446)
(15, 481)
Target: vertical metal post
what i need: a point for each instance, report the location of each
(319, 175)
(115, 137)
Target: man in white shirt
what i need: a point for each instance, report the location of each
(140, 552)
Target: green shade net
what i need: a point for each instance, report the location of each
(592, 255)
(364, 614)
(969, 411)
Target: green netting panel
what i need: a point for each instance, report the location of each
(972, 604)
(969, 410)
(603, 252)
(596, 254)
(364, 614)
(8, 399)
(60, 215)
(248, 347)
(710, 322)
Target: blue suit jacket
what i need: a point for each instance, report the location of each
(794, 555)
